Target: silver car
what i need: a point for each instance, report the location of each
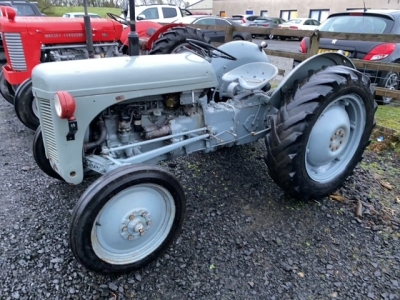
(244, 20)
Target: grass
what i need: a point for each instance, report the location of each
(389, 117)
(58, 11)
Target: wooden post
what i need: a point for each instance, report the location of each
(314, 44)
(228, 33)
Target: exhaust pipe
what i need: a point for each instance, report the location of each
(88, 30)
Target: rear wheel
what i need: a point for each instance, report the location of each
(6, 89)
(174, 40)
(25, 105)
(321, 131)
(126, 219)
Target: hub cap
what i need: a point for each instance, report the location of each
(335, 138)
(133, 224)
(392, 83)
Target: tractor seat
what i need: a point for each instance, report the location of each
(252, 76)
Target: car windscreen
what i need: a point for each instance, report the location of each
(24, 9)
(358, 24)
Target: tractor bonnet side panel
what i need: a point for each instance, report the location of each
(138, 76)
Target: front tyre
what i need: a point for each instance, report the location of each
(25, 105)
(321, 131)
(39, 154)
(126, 219)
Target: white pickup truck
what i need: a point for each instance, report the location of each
(162, 13)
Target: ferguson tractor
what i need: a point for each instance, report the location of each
(29, 41)
(119, 116)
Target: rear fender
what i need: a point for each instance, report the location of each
(300, 72)
(145, 30)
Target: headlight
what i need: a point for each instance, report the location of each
(64, 105)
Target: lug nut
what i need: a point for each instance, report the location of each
(131, 217)
(130, 237)
(124, 228)
(144, 215)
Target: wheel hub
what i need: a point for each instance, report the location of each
(135, 225)
(337, 139)
(329, 136)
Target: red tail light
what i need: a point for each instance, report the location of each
(380, 52)
(265, 25)
(303, 46)
(356, 14)
(294, 27)
(243, 20)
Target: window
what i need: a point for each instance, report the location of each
(150, 13)
(319, 14)
(264, 13)
(169, 12)
(357, 24)
(24, 9)
(288, 14)
(221, 22)
(207, 21)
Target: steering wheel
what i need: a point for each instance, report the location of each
(117, 18)
(209, 49)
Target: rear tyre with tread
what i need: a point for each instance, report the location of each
(320, 132)
(172, 40)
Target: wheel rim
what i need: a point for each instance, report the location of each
(335, 137)
(391, 84)
(34, 108)
(133, 224)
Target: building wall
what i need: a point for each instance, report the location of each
(299, 9)
(205, 6)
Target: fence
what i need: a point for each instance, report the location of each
(313, 48)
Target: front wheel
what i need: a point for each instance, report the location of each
(126, 219)
(25, 105)
(321, 131)
(39, 154)
(6, 89)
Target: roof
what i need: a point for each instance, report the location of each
(371, 11)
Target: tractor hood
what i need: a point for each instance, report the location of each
(49, 30)
(127, 76)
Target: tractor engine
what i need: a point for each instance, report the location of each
(29, 41)
(147, 119)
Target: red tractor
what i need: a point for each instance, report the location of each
(34, 40)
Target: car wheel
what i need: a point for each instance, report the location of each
(390, 82)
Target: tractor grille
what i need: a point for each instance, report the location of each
(15, 51)
(47, 130)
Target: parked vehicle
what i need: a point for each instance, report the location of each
(267, 22)
(137, 111)
(79, 15)
(22, 8)
(244, 20)
(370, 21)
(162, 13)
(300, 24)
(215, 36)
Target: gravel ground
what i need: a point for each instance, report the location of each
(242, 238)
